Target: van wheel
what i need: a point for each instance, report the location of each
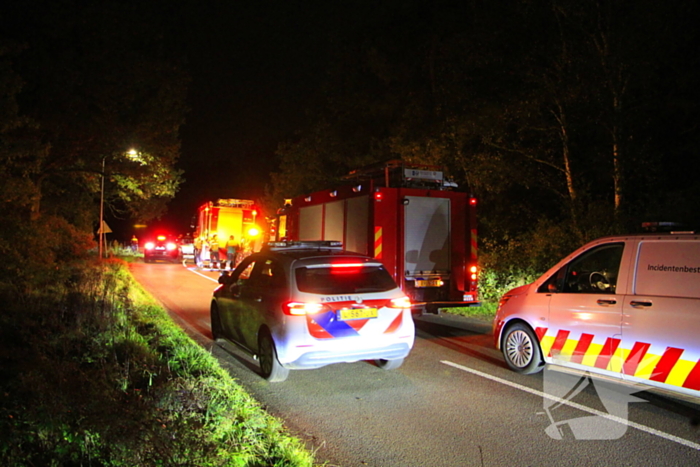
(521, 349)
(389, 364)
(270, 367)
(215, 321)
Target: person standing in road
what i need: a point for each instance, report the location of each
(198, 251)
(231, 250)
(214, 252)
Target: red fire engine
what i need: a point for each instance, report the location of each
(407, 216)
(225, 217)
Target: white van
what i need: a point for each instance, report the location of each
(626, 307)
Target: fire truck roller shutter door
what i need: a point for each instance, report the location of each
(427, 234)
(356, 225)
(311, 222)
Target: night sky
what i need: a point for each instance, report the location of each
(256, 69)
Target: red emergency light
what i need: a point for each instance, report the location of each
(346, 268)
(472, 201)
(378, 195)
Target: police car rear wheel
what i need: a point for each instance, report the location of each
(270, 367)
(215, 321)
(521, 350)
(389, 364)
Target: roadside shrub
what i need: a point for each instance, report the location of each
(511, 262)
(93, 372)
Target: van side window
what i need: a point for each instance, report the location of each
(555, 283)
(595, 271)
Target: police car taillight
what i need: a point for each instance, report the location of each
(301, 308)
(346, 268)
(403, 302)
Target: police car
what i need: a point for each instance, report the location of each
(304, 305)
(623, 307)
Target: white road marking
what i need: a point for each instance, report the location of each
(559, 400)
(204, 276)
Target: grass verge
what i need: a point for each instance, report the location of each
(94, 372)
(485, 312)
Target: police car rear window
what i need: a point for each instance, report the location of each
(327, 280)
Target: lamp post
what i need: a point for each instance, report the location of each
(102, 209)
(133, 155)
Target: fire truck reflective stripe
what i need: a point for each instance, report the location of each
(581, 347)
(639, 350)
(666, 364)
(378, 242)
(473, 243)
(395, 324)
(559, 342)
(606, 353)
(334, 327)
(693, 379)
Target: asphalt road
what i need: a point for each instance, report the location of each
(452, 403)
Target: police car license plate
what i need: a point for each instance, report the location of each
(427, 282)
(348, 314)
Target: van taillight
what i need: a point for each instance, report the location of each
(301, 308)
(473, 273)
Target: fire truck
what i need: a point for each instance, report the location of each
(226, 217)
(409, 217)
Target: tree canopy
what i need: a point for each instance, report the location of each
(88, 82)
(577, 114)
(90, 92)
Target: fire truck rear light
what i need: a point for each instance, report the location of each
(301, 308)
(403, 302)
(171, 246)
(472, 201)
(378, 195)
(149, 245)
